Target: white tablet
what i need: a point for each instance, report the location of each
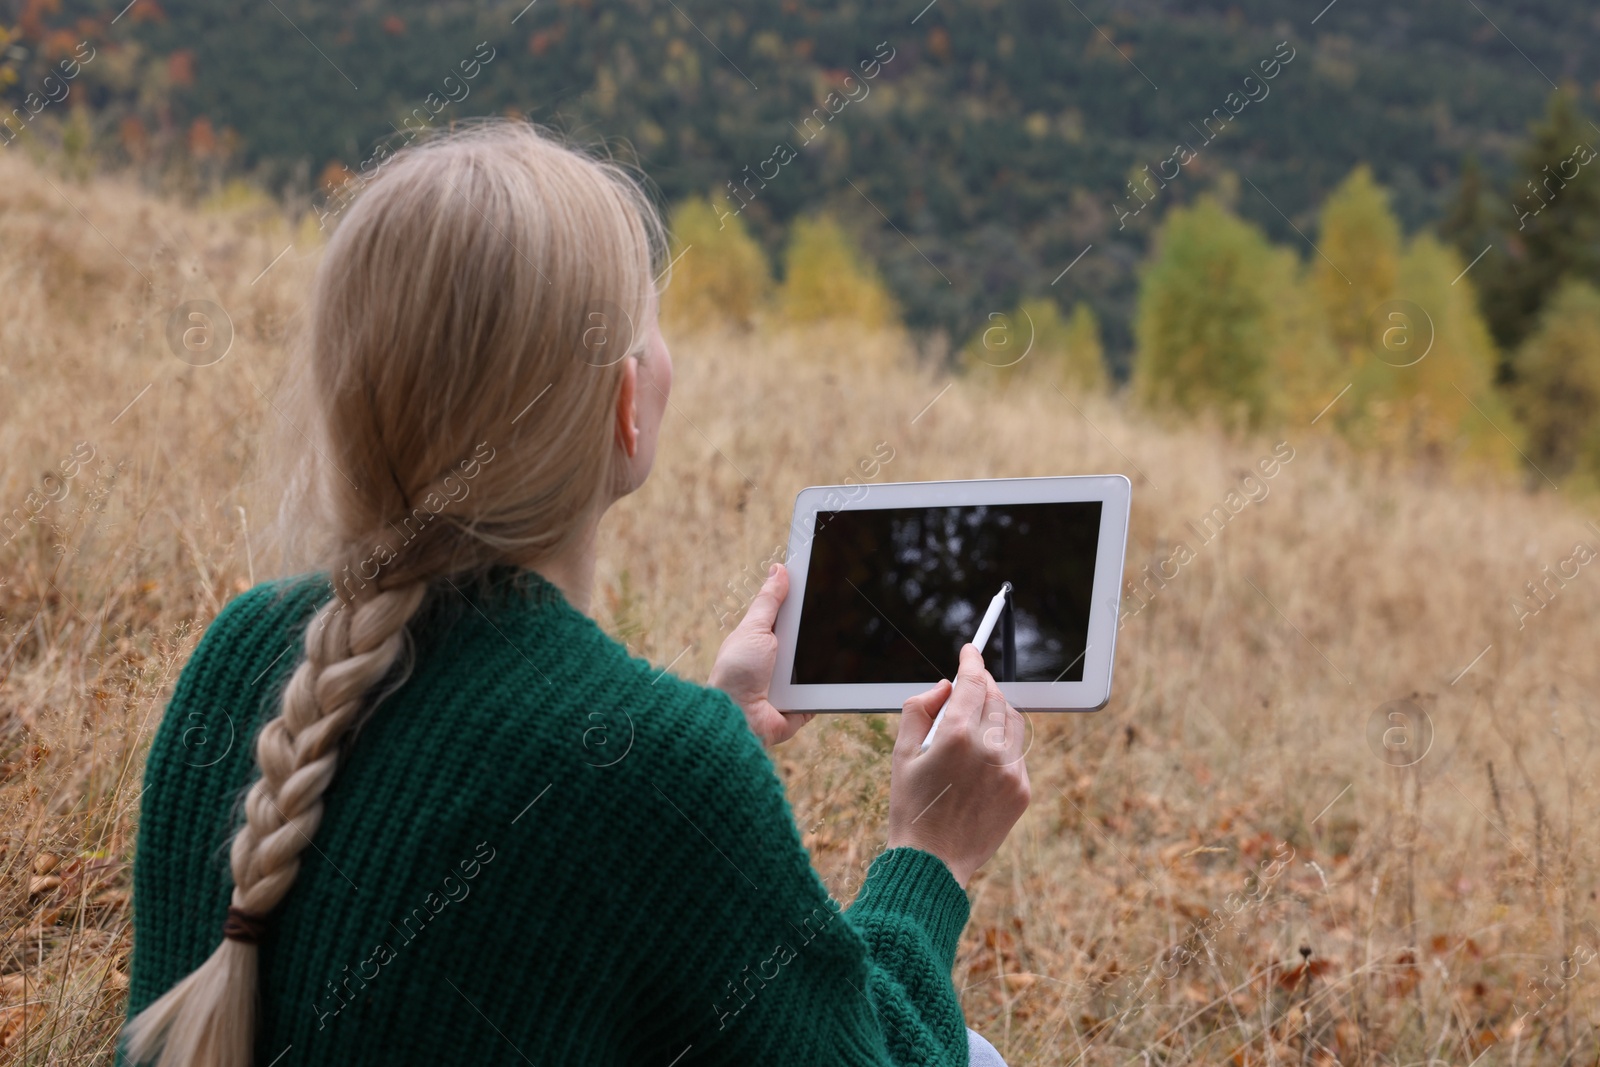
(888, 581)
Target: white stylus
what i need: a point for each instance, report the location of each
(985, 628)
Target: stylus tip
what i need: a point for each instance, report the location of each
(1006, 588)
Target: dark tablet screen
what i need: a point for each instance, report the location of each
(892, 594)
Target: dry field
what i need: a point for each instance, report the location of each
(1227, 864)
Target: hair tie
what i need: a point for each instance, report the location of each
(243, 927)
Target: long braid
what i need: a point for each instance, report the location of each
(348, 650)
(431, 330)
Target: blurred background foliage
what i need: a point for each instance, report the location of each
(832, 160)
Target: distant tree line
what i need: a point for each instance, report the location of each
(998, 142)
(1478, 340)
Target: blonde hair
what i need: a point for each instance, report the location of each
(460, 370)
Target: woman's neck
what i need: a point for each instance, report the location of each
(572, 571)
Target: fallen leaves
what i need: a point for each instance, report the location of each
(42, 884)
(19, 1019)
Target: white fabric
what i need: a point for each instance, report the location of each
(980, 1053)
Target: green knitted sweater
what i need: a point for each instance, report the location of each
(538, 850)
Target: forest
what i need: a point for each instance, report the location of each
(998, 144)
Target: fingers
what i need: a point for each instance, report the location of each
(764, 608)
(972, 671)
(768, 723)
(791, 722)
(971, 689)
(917, 715)
(1001, 727)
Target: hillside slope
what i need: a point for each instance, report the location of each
(998, 139)
(1246, 732)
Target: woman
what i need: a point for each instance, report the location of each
(474, 829)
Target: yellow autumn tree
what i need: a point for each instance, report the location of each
(719, 272)
(1036, 344)
(8, 69)
(1307, 368)
(825, 277)
(1209, 322)
(1357, 263)
(1081, 357)
(1426, 386)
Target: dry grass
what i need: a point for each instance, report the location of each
(1428, 897)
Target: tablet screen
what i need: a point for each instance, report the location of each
(893, 593)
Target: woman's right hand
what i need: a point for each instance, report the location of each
(959, 799)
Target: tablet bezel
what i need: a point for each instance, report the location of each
(1114, 491)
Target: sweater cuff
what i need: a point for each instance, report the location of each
(917, 884)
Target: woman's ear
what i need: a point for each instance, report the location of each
(627, 409)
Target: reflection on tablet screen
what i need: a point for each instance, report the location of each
(892, 594)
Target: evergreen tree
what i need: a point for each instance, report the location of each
(1467, 226)
(1558, 384)
(1554, 229)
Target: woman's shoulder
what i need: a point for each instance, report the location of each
(253, 620)
(251, 633)
(252, 630)
(534, 687)
(238, 650)
(521, 638)
(607, 720)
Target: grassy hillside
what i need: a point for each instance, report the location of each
(997, 139)
(1405, 909)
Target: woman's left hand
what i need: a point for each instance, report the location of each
(743, 668)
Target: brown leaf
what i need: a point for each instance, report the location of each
(19, 1018)
(113, 899)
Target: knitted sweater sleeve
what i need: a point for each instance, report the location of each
(774, 971)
